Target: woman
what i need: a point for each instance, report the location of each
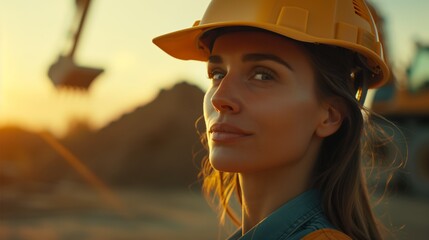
(283, 113)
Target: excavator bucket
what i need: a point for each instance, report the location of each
(65, 73)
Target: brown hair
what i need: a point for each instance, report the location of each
(339, 172)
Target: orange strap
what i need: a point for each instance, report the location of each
(326, 234)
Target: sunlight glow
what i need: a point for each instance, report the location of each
(117, 37)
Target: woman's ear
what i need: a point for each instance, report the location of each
(333, 113)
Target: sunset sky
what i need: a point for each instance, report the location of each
(117, 37)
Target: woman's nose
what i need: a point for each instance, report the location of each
(225, 99)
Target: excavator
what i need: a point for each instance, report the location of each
(65, 72)
(406, 104)
(404, 101)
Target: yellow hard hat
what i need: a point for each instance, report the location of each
(343, 23)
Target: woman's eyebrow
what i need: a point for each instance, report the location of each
(256, 57)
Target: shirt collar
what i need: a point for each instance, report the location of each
(284, 221)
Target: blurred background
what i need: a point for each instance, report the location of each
(97, 135)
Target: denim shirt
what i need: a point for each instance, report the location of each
(295, 219)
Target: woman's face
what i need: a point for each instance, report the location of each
(261, 110)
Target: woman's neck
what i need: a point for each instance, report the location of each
(264, 192)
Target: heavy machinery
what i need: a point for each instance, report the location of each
(404, 101)
(406, 104)
(65, 72)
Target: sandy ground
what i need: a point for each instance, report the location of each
(80, 214)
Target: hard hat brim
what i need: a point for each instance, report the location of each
(185, 44)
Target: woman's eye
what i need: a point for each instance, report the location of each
(263, 75)
(216, 75)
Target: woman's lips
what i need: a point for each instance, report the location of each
(223, 132)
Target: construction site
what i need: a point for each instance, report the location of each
(110, 181)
